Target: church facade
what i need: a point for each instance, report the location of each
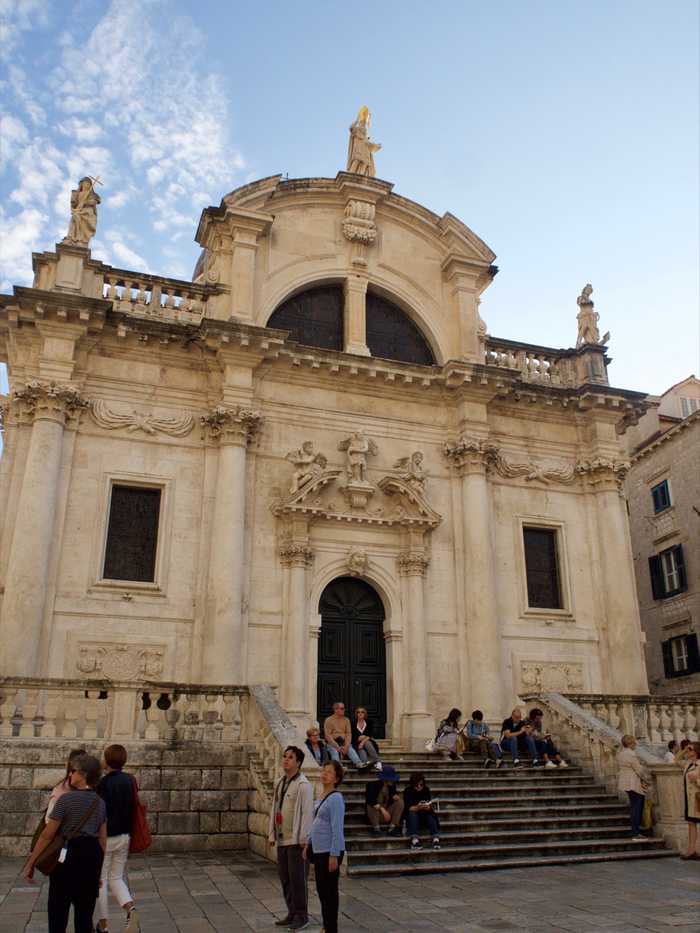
(312, 466)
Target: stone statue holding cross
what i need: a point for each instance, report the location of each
(83, 212)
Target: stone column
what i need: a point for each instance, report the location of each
(470, 458)
(225, 644)
(625, 651)
(418, 724)
(50, 404)
(467, 280)
(296, 558)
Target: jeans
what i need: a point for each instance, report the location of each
(351, 753)
(327, 888)
(292, 871)
(113, 874)
(636, 808)
(512, 746)
(75, 882)
(368, 752)
(546, 747)
(333, 753)
(416, 818)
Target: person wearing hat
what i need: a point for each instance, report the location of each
(383, 803)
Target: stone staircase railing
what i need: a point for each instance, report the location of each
(594, 743)
(653, 720)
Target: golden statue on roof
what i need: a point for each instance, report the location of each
(360, 149)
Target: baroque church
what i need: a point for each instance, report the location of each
(312, 466)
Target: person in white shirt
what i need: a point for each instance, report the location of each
(670, 756)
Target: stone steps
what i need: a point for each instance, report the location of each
(495, 819)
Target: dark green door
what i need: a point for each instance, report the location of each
(351, 659)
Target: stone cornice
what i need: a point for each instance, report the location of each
(231, 425)
(667, 436)
(36, 305)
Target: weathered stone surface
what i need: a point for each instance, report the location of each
(179, 800)
(177, 823)
(172, 778)
(234, 822)
(21, 777)
(47, 778)
(211, 779)
(209, 800)
(234, 778)
(209, 822)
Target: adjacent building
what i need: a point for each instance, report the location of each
(663, 488)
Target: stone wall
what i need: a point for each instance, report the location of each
(197, 796)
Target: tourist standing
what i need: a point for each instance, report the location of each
(328, 843)
(118, 790)
(79, 814)
(63, 786)
(290, 824)
(691, 786)
(634, 780)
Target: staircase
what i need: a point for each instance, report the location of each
(505, 818)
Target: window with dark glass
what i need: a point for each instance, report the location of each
(132, 534)
(681, 656)
(541, 564)
(313, 317)
(392, 335)
(668, 573)
(660, 495)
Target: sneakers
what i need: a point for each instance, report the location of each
(499, 762)
(377, 830)
(563, 764)
(639, 838)
(487, 762)
(536, 763)
(299, 924)
(516, 762)
(284, 922)
(436, 843)
(378, 766)
(550, 764)
(395, 831)
(415, 844)
(132, 922)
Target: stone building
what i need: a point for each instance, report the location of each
(311, 466)
(663, 489)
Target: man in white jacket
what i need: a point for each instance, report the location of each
(290, 824)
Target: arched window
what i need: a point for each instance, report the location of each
(313, 317)
(392, 335)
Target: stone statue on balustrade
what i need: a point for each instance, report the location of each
(587, 319)
(357, 447)
(83, 212)
(411, 469)
(308, 465)
(360, 149)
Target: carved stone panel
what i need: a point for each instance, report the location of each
(115, 661)
(554, 676)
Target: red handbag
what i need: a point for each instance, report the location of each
(140, 831)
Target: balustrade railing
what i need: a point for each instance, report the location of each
(541, 365)
(153, 295)
(654, 720)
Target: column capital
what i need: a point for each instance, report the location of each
(603, 473)
(412, 563)
(293, 554)
(48, 401)
(231, 425)
(471, 454)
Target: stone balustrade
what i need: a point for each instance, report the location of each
(653, 720)
(594, 743)
(535, 364)
(169, 299)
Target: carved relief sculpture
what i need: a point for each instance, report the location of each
(359, 222)
(357, 563)
(120, 662)
(357, 447)
(411, 469)
(557, 676)
(587, 319)
(83, 212)
(308, 465)
(111, 420)
(360, 149)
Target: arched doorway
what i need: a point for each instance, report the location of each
(351, 658)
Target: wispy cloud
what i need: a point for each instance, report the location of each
(135, 101)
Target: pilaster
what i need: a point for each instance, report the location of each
(355, 290)
(412, 565)
(296, 557)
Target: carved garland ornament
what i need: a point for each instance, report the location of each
(111, 420)
(359, 225)
(120, 662)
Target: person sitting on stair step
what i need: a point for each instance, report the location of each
(419, 809)
(383, 803)
(514, 732)
(543, 741)
(476, 737)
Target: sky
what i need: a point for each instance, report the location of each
(565, 134)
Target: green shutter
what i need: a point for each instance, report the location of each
(693, 653)
(668, 659)
(657, 577)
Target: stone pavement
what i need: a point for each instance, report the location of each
(238, 892)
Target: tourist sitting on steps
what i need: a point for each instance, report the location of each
(321, 752)
(447, 734)
(543, 741)
(476, 737)
(383, 803)
(515, 732)
(419, 810)
(337, 732)
(362, 739)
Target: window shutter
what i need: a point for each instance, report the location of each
(680, 564)
(657, 577)
(668, 659)
(693, 653)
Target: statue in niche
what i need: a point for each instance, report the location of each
(360, 149)
(411, 469)
(587, 318)
(357, 447)
(308, 465)
(83, 212)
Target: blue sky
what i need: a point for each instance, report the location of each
(565, 134)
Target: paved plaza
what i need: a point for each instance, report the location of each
(238, 892)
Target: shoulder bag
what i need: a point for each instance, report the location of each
(48, 860)
(140, 830)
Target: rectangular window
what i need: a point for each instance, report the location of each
(688, 406)
(660, 496)
(132, 534)
(541, 564)
(668, 575)
(680, 655)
